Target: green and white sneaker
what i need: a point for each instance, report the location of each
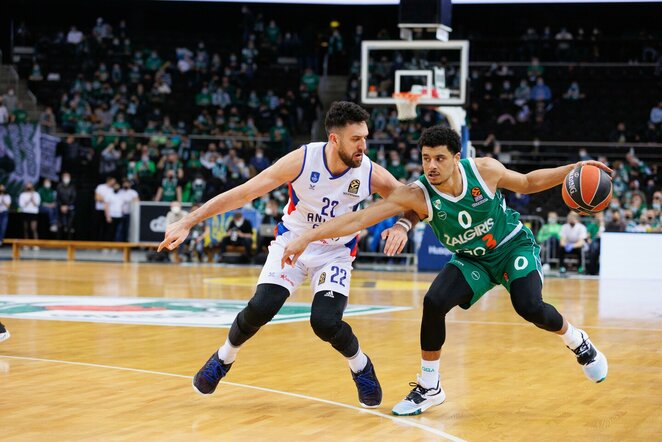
(419, 399)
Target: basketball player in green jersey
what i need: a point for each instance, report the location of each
(460, 200)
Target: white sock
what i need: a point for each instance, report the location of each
(358, 361)
(228, 353)
(572, 337)
(429, 374)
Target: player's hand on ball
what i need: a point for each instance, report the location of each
(396, 239)
(175, 234)
(292, 252)
(597, 164)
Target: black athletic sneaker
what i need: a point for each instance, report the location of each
(206, 380)
(370, 392)
(419, 399)
(4, 334)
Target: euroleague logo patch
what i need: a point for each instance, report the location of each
(354, 186)
(322, 279)
(478, 197)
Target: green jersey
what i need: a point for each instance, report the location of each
(474, 224)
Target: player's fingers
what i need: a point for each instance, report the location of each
(385, 234)
(388, 247)
(163, 244)
(173, 245)
(402, 246)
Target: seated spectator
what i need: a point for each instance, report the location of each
(541, 92)
(549, 235)
(74, 36)
(36, 74)
(395, 166)
(620, 134)
(522, 93)
(519, 202)
(615, 223)
(573, 92)
(48, 205)
(258, 162)
(272, 216)
(199, 236)
(656, 114)
(238, 233)
(170, 189)
(572, 240)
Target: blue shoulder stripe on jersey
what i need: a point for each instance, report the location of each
(295, 198)
(326, 166)
(303, 165)
(370, 178)
(350, 245)
(280, 229)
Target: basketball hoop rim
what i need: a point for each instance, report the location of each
(409, 96)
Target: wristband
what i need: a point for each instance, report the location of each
(404, 222)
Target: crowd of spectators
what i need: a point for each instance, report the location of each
(124, 94)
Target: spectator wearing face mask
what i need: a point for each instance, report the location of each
(28, 203)
(5, 204)
(48, 203)
(113, 210)
(194, 191)
(573, 239)
(129, 197)
(170, 190)
(239, 233)
(258, 162)
(66, 204)
(615, 223)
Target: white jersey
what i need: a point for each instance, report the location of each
(316, 195)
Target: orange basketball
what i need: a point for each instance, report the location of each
(587, 189)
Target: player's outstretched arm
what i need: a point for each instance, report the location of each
(383, 183)
(284, 170)
(497, 176)
(402, 199)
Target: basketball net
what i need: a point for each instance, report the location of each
(406, 103)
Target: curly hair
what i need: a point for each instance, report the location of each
(343, 113)
(440, 136)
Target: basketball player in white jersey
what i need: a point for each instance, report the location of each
(325, 180)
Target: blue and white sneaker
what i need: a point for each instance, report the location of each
(370, 392)
(593, 362)
(4, 333)
(419, 399)
(206, 380)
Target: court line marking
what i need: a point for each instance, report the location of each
(518, 324)
(399, 420)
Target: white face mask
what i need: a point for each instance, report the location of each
(66, 180)
(176, 210)
(47, 185)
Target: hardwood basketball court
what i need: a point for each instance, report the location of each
(504, 378)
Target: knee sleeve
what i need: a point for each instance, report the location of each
(447, 290)
(262, 307)
(326, 321)
(526, 296)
